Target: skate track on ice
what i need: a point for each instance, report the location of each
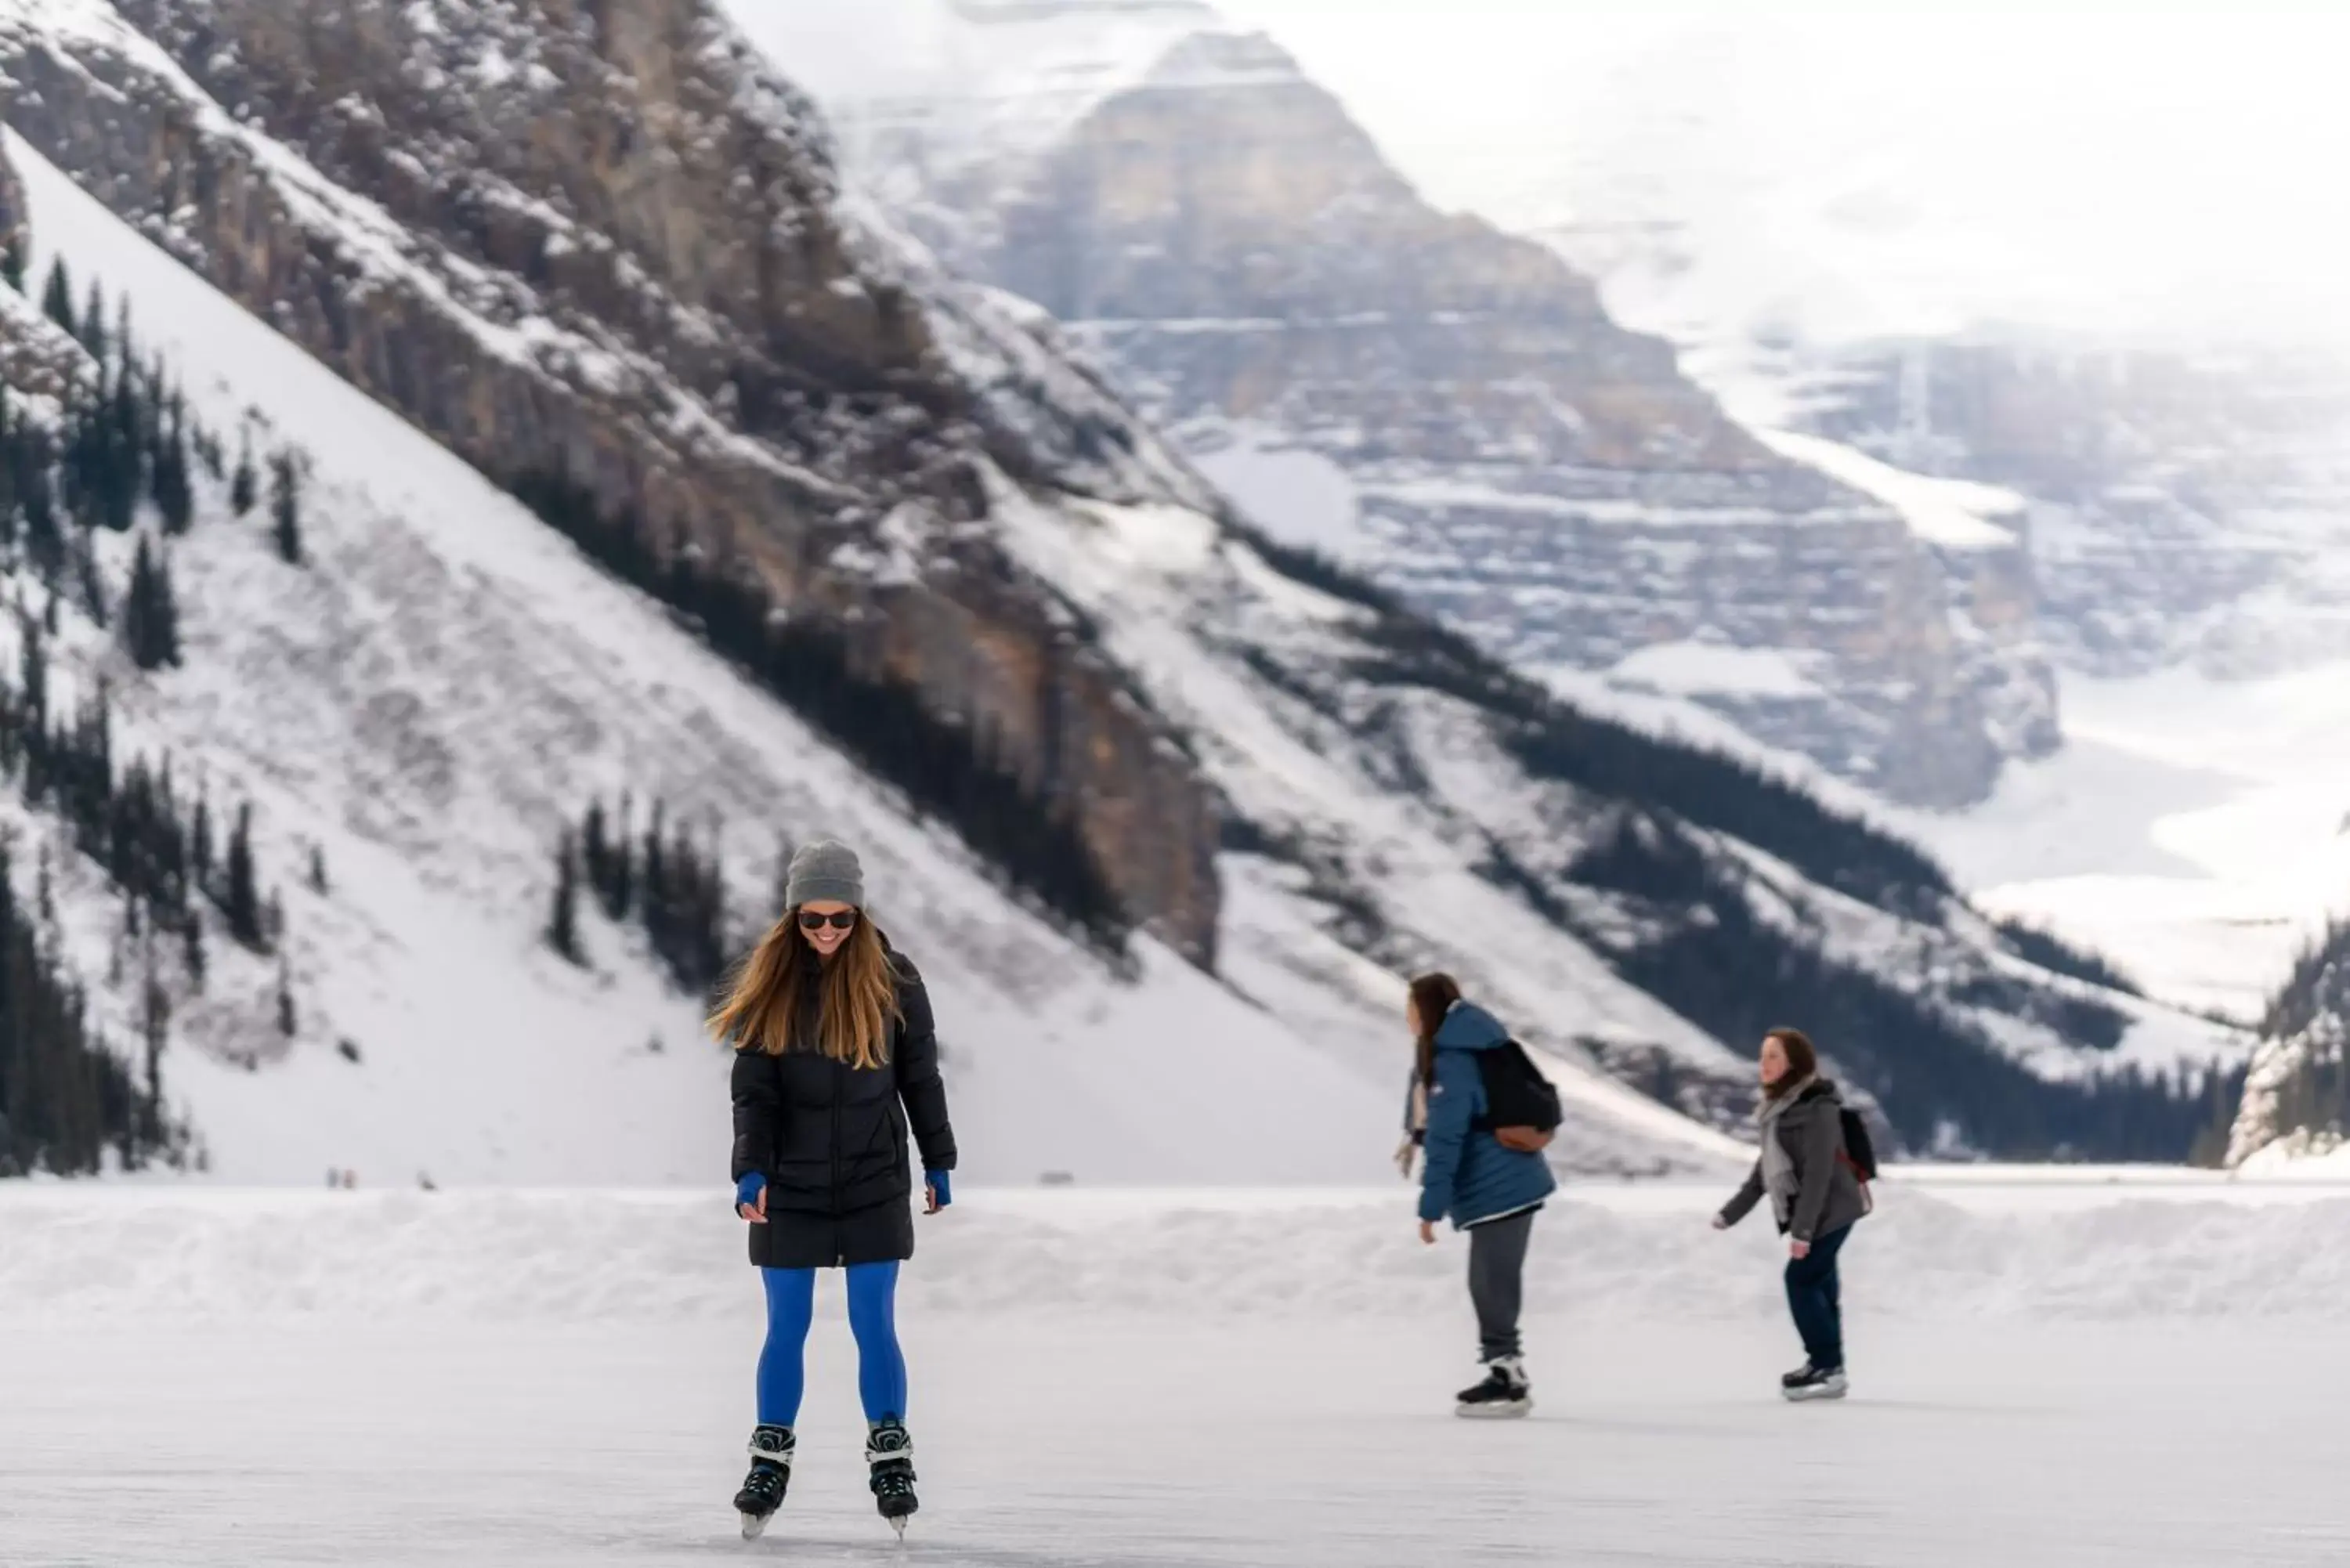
(2135, 1375)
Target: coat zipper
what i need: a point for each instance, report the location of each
(835, 1140)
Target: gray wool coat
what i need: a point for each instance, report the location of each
(1830, 1195)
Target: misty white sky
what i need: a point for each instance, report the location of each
(1913, 167)
(1881, 169)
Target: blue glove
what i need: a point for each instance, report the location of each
(747, 1190)
(942, 1190)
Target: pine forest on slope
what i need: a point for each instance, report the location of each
(79, 474)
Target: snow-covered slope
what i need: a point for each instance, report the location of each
(445, 688)
(436, 696)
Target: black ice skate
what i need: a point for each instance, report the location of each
(891, 1452)
(1813, 1383)
(771, 1471)
(1504, 1392)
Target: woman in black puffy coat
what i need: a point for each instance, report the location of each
(835, 1082)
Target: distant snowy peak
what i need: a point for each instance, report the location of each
(986, 80)
(1447, 405)
(1208, 61)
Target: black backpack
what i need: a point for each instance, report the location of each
(1521, 1105)
(1858, 1152)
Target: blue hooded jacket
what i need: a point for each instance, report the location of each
(1467, 1173)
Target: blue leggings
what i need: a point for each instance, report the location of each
(872, 1318)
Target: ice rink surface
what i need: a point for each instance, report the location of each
(285, 1381)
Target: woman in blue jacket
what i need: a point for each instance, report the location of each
(1491, 1191)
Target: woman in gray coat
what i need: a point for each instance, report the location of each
(1816, 1194)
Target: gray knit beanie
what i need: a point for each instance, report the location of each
(825, 872)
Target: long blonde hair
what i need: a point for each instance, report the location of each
(857, 995)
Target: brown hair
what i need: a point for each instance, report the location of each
(1432, 996)
(1802, 1060)
(856, 995)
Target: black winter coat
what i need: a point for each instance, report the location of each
(831, 1138)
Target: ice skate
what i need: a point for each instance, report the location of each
(1504, 1394)
(771, 1472)
(891, 1453)
(1813, 1383)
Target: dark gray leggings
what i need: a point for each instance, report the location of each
(1497, 1274)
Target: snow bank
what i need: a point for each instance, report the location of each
(157, 1253)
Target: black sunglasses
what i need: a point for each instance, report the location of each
(839, 921)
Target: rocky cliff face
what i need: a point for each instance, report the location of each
(2184, 507)
(602, 241)
(1243, 259)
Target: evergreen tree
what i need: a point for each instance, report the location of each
(192, 936)
(201, 847)
(624, 871)
(12, 266)
(57, 296)
(319, 869)
(654, 891)
(64, 1100)
(92, 579)
(45, 538)
(93, 323)
(244, 489)
(242, 904)
(122, 478)
(563, 925)
(155, 1029)
(286, 1024)
(171, 478)
(595, 853)
(286, 508)
(151, 614)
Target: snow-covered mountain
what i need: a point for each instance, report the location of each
(1444, 405)
(2103, 288)
(823, 539)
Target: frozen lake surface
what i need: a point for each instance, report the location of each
(202, 1379)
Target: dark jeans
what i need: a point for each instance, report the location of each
(1497, 1274)
(1814, 1296)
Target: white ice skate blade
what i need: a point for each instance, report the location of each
(1500, 1410)
(753, 1524)
(1834, 1388)
(899, 1526)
